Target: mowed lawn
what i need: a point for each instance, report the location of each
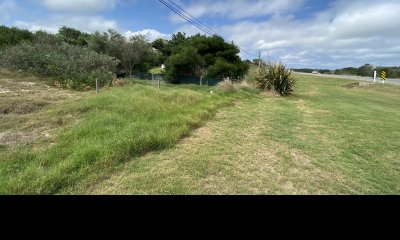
(328, 139)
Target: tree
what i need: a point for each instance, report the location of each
(178, 39)
(204, 57)
(185, 62)
(73, 36)
(13, 36)
(164, 47)
(45, 38)
(131, 52)
(98, 42)
(366, 70)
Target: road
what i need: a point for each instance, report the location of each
(357, 78)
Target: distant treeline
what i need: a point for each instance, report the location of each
(309, 70)
(367, 70)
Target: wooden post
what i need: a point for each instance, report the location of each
(97, 87)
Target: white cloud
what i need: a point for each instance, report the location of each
(7, 7)
(36, 26)
(80, 6)
(350, 32)
(150, 34)
(87, 24)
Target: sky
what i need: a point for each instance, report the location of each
(301, 33)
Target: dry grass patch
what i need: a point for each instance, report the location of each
(28, 109)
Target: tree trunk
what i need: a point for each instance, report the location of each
(201, 81)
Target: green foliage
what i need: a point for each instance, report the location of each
(45, 38)
(178, 39)
(183, 62)
(13, 36)
(164, 47)
(347, 71)
(204, 57)
(134, 52)
(275, 76)
(261, 79)
(72, 66)
(367, 70)
(73, 36)
(391, 72)
(222, 68)
(98, 42)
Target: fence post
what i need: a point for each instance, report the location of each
(97, 86)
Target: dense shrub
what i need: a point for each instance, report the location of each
(13, 36)
(275, 76)
(72, 66)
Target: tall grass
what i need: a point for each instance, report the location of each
(116, 126)
(228, 86)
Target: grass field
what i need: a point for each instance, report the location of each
(118, 125)
(330, 138)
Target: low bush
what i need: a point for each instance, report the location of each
(70, 66)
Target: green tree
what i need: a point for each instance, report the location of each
(73, 36)
(133, 52)
(45, 38)
(366, 70)
(164, 47)
(204, 57)
(184, 62)
(178, 39)
(98, 42)
(13, 36)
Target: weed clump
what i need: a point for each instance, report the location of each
(230, 86)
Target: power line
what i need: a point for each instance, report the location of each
(197, 20)
(185, 17)
(210, 29)
(191, 19)
(254, 55)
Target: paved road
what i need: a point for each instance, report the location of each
(358, 78)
